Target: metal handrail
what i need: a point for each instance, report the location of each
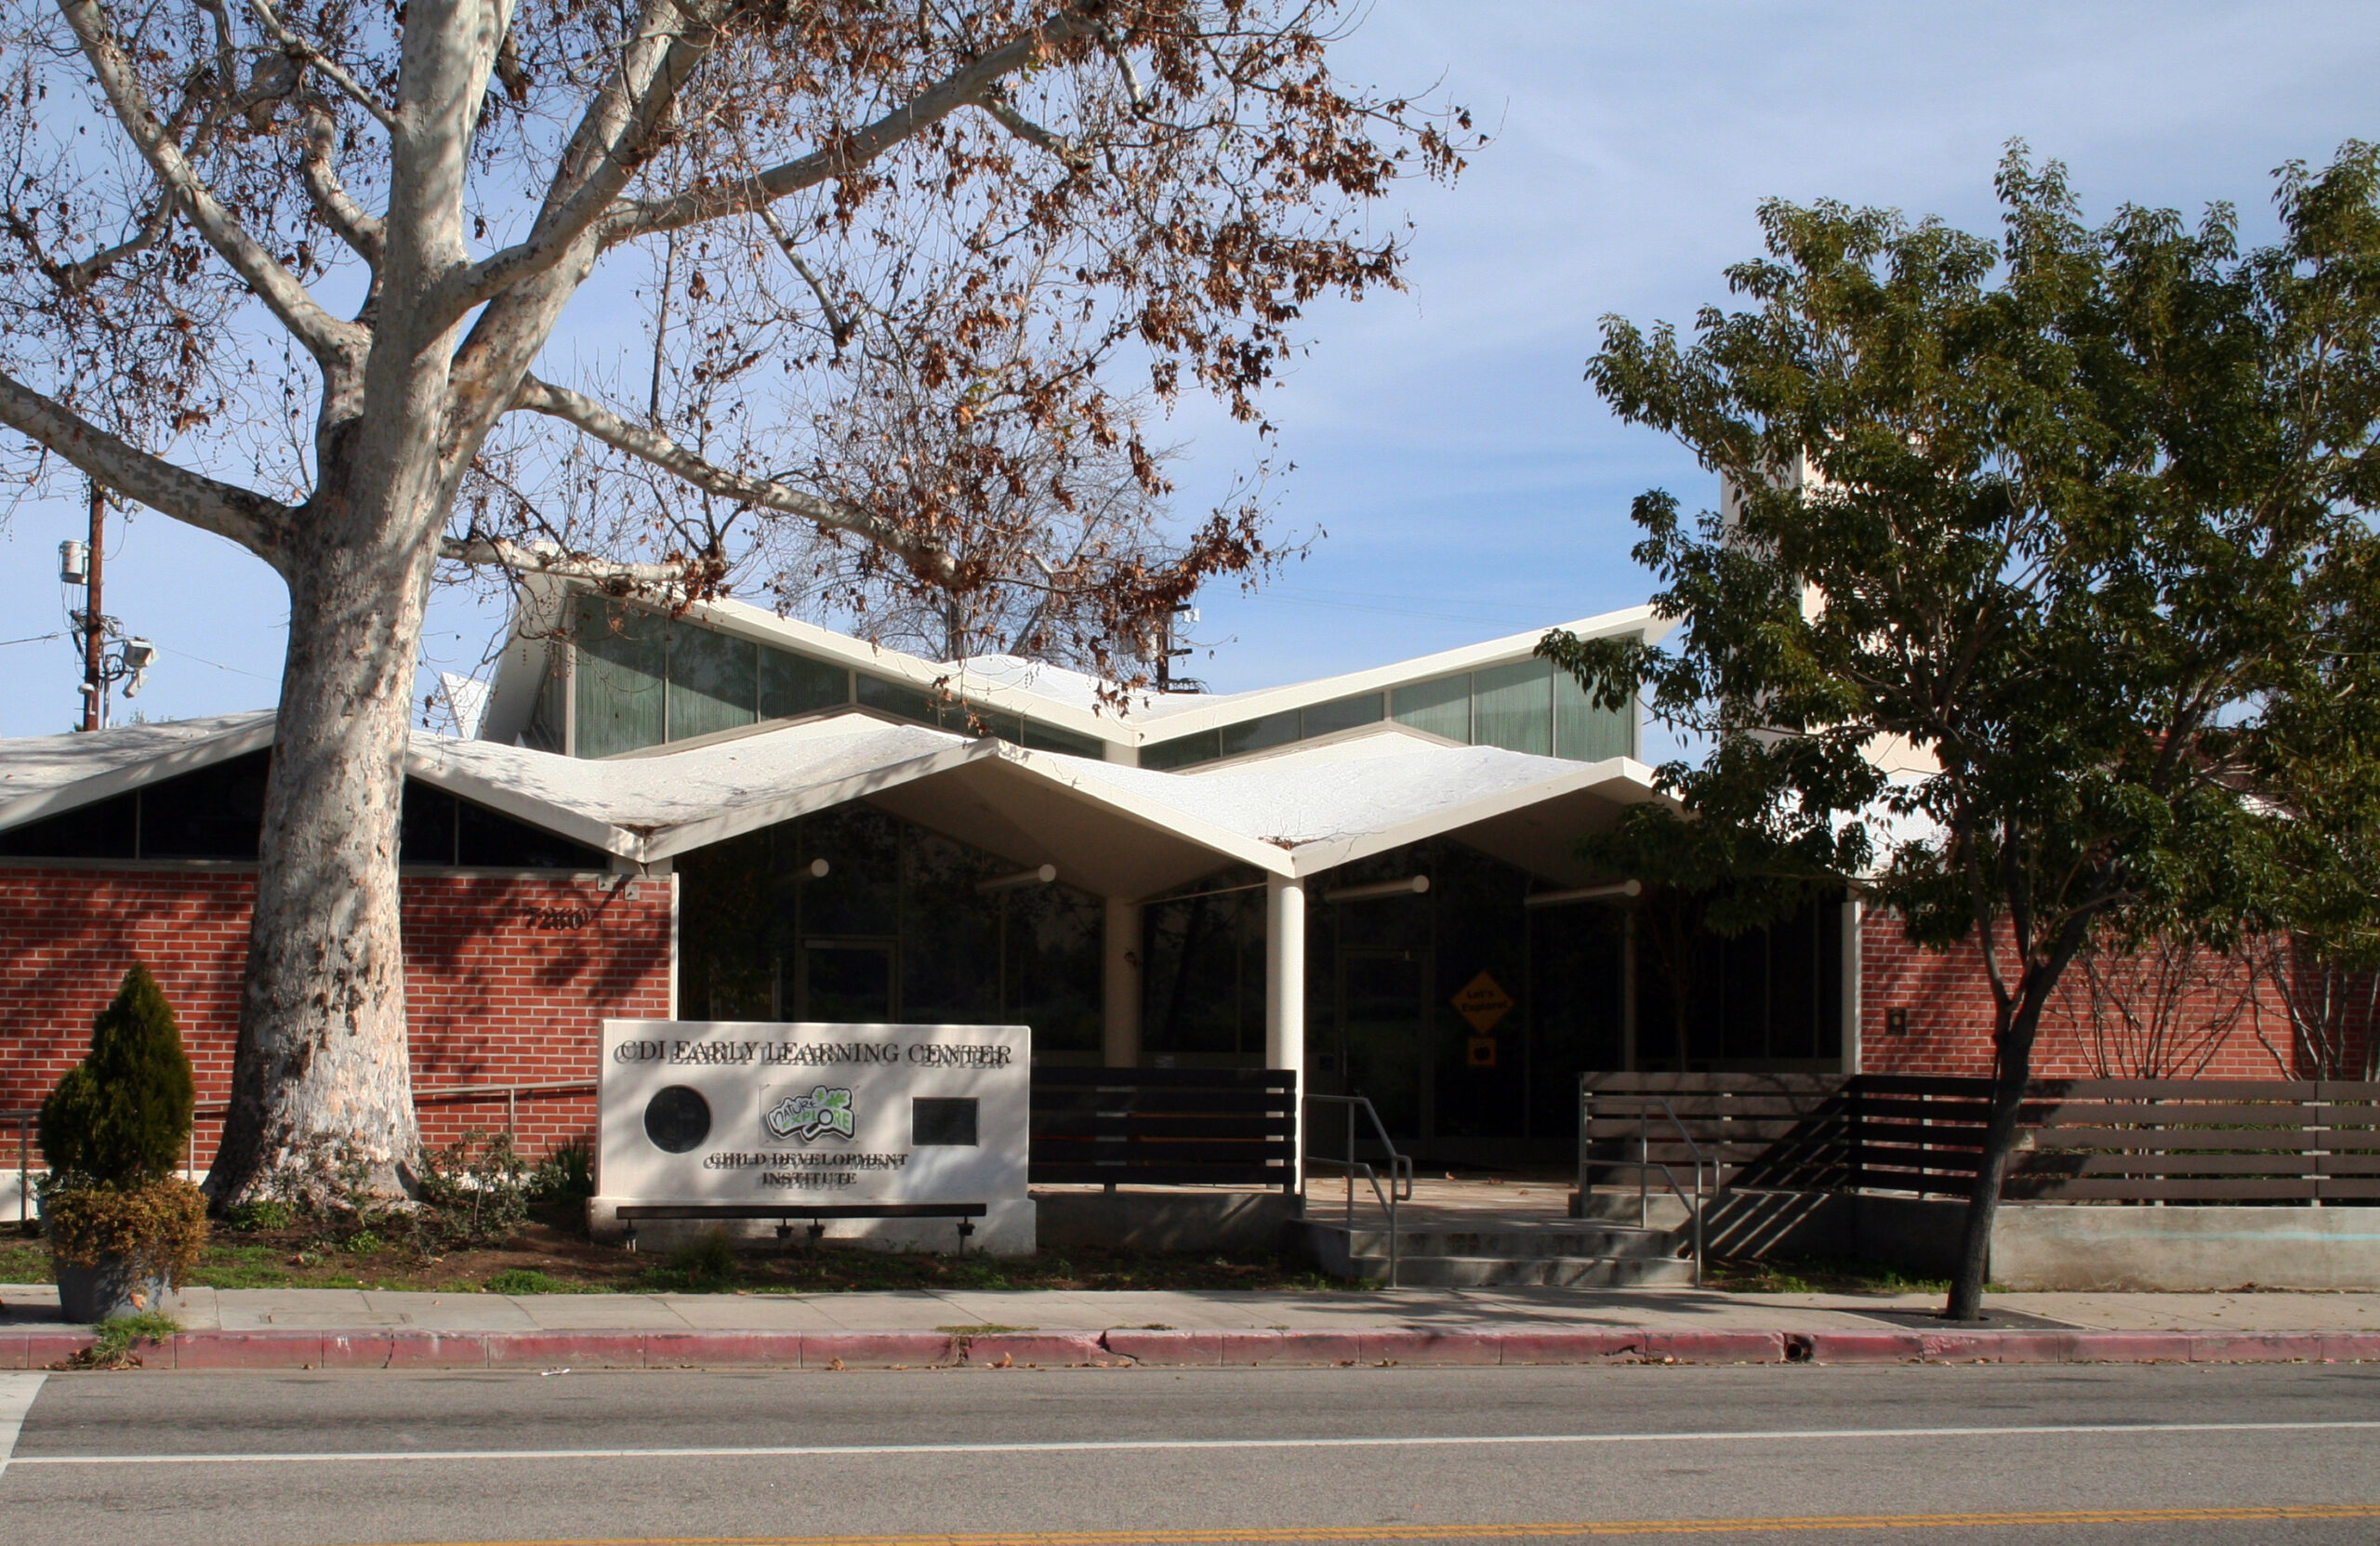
(1400, 1170)
(1645, 1165)
(25, 1117)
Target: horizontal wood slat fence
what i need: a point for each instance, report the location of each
(1164, 1127)
(2077, 1140)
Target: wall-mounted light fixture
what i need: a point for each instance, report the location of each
(1412, 885)
(1618, 891)
(1040, 874)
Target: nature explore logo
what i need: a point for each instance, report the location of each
(812, 1117)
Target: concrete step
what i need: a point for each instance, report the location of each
(1663, 1209)
(1540, 1272)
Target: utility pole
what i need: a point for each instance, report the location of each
(94, 619)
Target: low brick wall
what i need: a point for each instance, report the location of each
(494, 994)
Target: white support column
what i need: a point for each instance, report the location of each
(1285, 991)
(1120, 1041)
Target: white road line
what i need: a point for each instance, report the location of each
(1076, 1446)
(17, 1393)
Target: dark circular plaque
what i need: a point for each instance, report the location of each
(677, 1119)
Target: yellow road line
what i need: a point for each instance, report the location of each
(1500, 1532)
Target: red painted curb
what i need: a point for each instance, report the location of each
(1420, 1344)
(873, 1348)
(1009, 1348)
(1165, 1348)
(1473, 1346)
(1854, 1347)
(1601, 1346)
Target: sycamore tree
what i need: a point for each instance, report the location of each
(2033, 619)
(301, 274)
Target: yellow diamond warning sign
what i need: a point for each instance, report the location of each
(1483, 1001)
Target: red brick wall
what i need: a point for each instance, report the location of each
(2223, 1023)
(493, 998)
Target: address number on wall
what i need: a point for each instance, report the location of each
(556, 918)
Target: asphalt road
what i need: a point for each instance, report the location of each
(1211, 1458)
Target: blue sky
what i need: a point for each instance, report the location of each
(1469, 481)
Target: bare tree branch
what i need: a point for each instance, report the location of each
(839, 324)
(1004, 113)
(961, 87)
(327, 337)
(250, 520)
(652, 445)
(500, 552)
(604, 150)
(299, 48)
(359, 229)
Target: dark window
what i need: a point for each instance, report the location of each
(941, 1122)
(1183, 751)
(794, 684)
(1338, 714)
(213, 813)
(1273, 730)
(425, 832)
(106, 829)
(1043, 737)
(217, 814)
(489, 840)
(894, 697)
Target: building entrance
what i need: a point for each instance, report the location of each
(846, 980)
(1383, 1020)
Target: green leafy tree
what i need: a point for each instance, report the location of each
(121, 1116)
(2040, 562)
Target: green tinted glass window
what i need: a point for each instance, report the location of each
(894, 697)
(1183, 751)
(1273, 730)
(1582, 731)
(1513, 707)
(1440, 707)
(622, 674)
(1043, 737)
(712, 682)
(1339, 714)
(794, 684)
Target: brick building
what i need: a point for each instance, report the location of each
(728, 815)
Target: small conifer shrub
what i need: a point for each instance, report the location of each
(112, 1131)
(122, 1116)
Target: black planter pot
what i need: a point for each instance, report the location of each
(108, 1287)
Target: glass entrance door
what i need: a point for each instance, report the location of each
(845, 980)
(1383, 1026)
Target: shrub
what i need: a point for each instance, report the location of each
(260, 1213)
(159, 1227)
(567, 1174)
(707, 1261)
(474, 1191)
(122, 1115)
(322, 1177)
(117, 1338)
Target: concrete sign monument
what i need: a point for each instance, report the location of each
(766, 1115)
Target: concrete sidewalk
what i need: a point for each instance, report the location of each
(24, 1306)
(340, 1329)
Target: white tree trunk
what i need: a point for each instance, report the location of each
(322, 1043)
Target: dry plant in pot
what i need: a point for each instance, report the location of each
(123, 1228)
